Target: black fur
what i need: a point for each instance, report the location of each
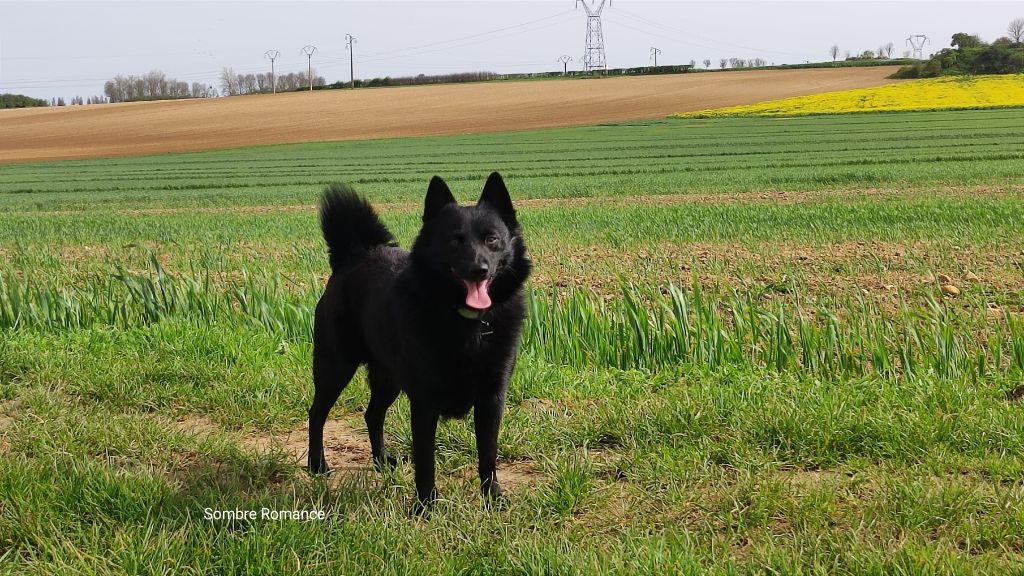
(398, 312)
(350, 226)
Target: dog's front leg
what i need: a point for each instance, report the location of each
(486, 420)
(424, 430)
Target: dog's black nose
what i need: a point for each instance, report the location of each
(478, 272)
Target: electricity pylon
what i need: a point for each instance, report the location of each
(917, 42)
(272, 54)
(593, 53)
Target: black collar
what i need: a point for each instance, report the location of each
(478, 316)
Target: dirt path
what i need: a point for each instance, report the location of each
(186, 125)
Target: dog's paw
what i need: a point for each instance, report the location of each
(318, 467)
(421, 505)
(494, 496)
(385, 463)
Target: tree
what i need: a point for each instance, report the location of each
(1016, 30)
(722, 63)
(228, 82)
(154, 84)
(962, 40)
(707, 63)
(19, 101)
(971, 56)
(834, 52)
(888, 48)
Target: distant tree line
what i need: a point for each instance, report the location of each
(420, 79)
(969, 54)
(232, 84)
(154, 85)
(724, 63)
(884, 52)
(19, 101)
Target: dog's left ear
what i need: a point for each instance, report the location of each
(438, 196)
(495, 196)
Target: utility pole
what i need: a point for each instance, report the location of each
(308, 50)
(351, 55)
(272, 54)
(565, 59)
(654, 54)
(593, 53)
(917, 42)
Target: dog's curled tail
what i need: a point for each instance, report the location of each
(350, 225)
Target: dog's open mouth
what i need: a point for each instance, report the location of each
(477, 296)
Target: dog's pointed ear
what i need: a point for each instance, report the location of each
(495, 196)
(438, 196)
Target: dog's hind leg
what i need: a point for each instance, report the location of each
(331, 373)
(383, 393)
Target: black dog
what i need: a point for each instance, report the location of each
(440, 323)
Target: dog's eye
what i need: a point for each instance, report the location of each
(492, 240)
(456, 241)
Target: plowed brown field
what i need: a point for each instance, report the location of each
(186, 125)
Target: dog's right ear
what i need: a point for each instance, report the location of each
(438, 196)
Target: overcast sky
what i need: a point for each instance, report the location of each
(50, 49)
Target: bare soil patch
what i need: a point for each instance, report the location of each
(142, 128)
(804, 480)
(346, 449)
(6, 422)
(511, 474)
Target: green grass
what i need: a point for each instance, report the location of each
(670, 156)
(760, 373)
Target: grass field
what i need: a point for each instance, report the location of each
(755, 345)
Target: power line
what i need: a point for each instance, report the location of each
(654, 54)
(380, 56)
(668, 28)
(385, 54)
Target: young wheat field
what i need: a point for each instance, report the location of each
(787, 345)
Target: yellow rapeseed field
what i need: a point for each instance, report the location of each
(951, 93)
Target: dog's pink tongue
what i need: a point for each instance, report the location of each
(476, 294)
